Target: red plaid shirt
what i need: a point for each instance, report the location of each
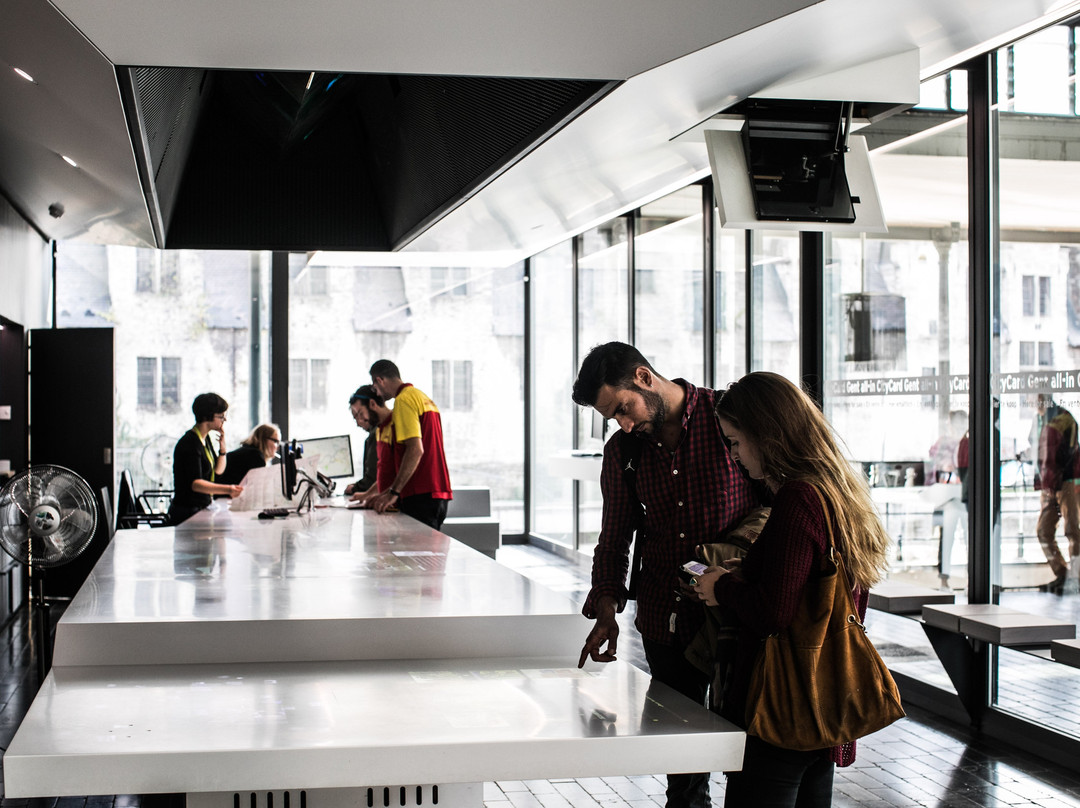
(691, 497)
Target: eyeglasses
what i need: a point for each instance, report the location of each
(220, 415)
(274, 440)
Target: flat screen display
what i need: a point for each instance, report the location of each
(335, 454)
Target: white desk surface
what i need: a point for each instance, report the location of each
(212, 728)
(331, 584)
(578, 467)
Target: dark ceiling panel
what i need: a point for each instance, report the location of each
(436, 139)
(266, 173)
(301, 161)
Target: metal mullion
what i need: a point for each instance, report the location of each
(631, 276)
(984, 500)
(811, 313)
(748, 301)
(527, 391)
(279, 341)
(575, 340)
(708, 284)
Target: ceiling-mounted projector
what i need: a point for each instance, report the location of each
(792, 165)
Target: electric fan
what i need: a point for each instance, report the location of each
(157, 460)
(48, 515)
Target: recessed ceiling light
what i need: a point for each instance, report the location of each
(23, 73)
(69, 161)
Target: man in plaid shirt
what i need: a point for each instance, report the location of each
(688, 491)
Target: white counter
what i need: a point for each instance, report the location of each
(333, 584)
(331, 652)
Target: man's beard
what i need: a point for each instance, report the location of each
(654, 404)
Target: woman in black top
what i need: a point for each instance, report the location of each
(196, 465)
(256, 450)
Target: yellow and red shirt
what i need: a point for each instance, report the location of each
(416, 416)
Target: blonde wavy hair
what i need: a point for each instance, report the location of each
(260, 438)
(796, 443)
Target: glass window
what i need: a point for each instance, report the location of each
(451, 381)
(730, 291)
(320, 382)
(896, 353)
(147, 382)
(462, 396)
(298, 384)
(182, 325)
(169, 278)
(1034, 75)
(1036, 543)
(145, 266)
(603, 303)
(1028, 292)
(552, 434)
(440, 379)
(401, 313)
(170, 383)
(774, 338)
(603, 316)
(449, 281)
(668, 268)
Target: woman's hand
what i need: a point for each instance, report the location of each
(705, 583)
(235, 490)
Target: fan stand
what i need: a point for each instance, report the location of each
(40, 623)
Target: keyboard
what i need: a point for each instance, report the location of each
(270, 513)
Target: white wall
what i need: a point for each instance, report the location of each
(25, 277)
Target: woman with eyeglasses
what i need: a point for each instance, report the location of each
(197, 467)
(254, 452)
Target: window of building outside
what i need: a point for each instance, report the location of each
(182, 322)
(449, 281)
(774, 301)
(552, 410)
(603, 316)
(452, 383)
(1036, 361)
(896, 353)
(668, 267)
(159, 383)
(465, 350)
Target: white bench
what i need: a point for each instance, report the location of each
(900, 598)
(469, 520)
(1066, 652)
(997, 624)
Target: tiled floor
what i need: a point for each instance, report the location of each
(919, 761)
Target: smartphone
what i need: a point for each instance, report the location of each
(691, 570)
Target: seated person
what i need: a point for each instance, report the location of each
(254, 452)
(196, 465)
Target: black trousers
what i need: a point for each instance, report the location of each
(667, 664)
(780, 778)
(425, 508)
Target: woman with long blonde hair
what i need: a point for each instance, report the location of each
(254, 452)
(781, 438)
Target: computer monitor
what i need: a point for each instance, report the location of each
(288, 452)
(335, 454)
(599, 426)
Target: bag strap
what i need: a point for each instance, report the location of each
(834, 554)
(632, 450)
